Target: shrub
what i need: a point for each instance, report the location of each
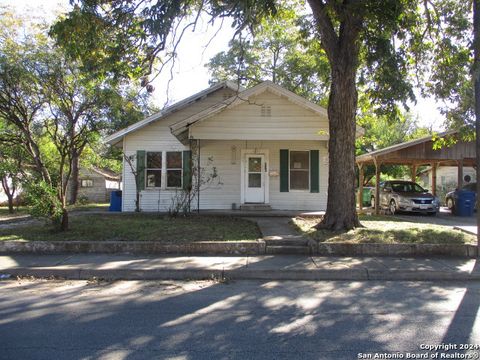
(43, 202)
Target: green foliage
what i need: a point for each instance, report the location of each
(43, 201)
(382, 131)
(122, 39)
(449, 77)
(53, 107)
(280, 51)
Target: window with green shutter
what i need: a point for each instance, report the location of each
(140, 170)
(314, 171)
(187, 170)
(283, 170)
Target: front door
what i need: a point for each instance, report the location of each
(255, 178)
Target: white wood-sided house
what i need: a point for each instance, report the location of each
(268, 145)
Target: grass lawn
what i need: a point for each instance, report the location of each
(5, 214)
(142, 227)
(89, 207)
(387, 230)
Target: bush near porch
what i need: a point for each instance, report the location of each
(385, 230)
(139, 227)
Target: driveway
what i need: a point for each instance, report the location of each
(444, 217)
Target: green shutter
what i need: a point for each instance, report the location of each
(283, 170)
(187, 170)
(140, 170)
(314, 172)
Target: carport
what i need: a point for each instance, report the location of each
(415, 153)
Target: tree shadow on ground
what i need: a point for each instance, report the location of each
(233, 320)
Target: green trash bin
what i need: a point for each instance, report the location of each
(366, 196)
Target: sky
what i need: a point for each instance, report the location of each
(189, 74)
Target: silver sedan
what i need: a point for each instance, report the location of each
(400, 195)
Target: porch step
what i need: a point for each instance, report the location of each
(255, 207)
(287, 250)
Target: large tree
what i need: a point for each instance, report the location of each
(385, 37)
(55, 108)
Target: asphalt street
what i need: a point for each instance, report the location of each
(52, 319)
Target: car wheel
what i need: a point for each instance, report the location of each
(372, 202)
(393, 207)
(450, 203)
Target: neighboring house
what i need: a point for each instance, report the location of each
(446, 177)
(268, 145)
(95, 185)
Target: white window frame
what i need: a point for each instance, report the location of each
(164, 170)
(83, 186)
(289, 170)
(160, 168)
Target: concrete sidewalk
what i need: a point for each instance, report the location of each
(134, 267)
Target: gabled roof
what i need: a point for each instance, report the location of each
(241, 98)
(106, 173)
(119, 135)
(390, 149)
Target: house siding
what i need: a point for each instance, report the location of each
(98, 193)
(157, 137)
(447, 177)
(229, 174)
(286, 121)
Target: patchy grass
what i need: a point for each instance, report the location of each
(5, 214)
(89, 207)
(386, 230)
(141, 227)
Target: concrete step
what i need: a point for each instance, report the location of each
(286, 242)
(287, 250)
(255, 207)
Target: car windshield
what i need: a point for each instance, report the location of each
(407, 187)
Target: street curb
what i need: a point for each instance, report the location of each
(257, 247)
(243, 274)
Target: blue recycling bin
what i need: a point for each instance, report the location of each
(115, 201)
(464, 203)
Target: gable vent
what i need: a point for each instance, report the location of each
(266, 111)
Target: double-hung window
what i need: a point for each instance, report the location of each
(174, 169)
(299, 170)
(154, 170)
(164, 169)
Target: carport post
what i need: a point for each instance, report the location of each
(434, 178)
(377, 185)
(413, 174)
(460, 174)
(360, 186)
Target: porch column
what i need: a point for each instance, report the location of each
(460, 174)
(413, 174)
(434, 178)
(360, 186)
(377, 185)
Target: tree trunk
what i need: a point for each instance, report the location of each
(74, 185)
(341, 211)
(64, 221)
(10, 194)
(11, 209)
